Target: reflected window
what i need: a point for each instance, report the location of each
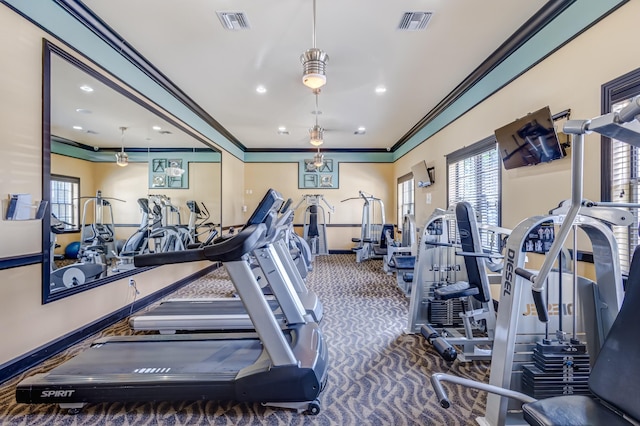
(65, 194)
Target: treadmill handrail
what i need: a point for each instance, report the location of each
(231, 249)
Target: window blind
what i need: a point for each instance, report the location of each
(474, 176)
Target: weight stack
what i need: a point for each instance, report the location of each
(559, 368)
(444, 313)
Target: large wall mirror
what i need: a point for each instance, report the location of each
(121, 178)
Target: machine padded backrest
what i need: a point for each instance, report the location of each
(313, 221)
(383, 238)
(470, 242)
(615, 376)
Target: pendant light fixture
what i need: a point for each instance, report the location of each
(122, 158)
(314, 61)
(316, 133)
(318, 159)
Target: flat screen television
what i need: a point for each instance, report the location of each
(529, 140)
(421, 175)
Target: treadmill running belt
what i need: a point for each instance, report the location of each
(158, 357)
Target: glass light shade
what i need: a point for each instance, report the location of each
(318, 160)
(122, 158)
(314, 81)
(316, 135)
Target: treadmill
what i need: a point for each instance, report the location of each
(277, 367)
(276, 266)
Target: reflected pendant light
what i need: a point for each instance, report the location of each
(316, 133)
(314, 61)
(318, 159)
(122, 158)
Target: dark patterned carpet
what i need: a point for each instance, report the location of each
(378, 375)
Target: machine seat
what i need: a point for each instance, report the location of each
(404, 262)
(407, 277)
(355, 240)
(571, 410)
(455, 291)
(379, 251)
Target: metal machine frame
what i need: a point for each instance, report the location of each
(315, 223)
(607, 294)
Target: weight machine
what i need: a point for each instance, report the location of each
(371, 231)
(315, 223)
(599, 302)
(404, 263)
(451, 299)
(401, 254)
(97, 245)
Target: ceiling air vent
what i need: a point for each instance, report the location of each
(234, 20)
(414, 21)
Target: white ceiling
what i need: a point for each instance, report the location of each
(221, 69)
(95, 118)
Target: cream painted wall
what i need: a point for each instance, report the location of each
(27, 324)
(569, 79)
(232, 190)
(372, 178)
(20, 87)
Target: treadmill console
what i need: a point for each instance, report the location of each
(272, 200)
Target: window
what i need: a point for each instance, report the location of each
(65, 203)
(621, 165)
(406, 200)
(474, 175)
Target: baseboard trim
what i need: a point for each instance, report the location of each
(18, 365)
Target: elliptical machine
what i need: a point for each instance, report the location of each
(198, 225)
(166, 232)
(137, 243)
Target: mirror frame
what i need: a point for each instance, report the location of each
(48, 50)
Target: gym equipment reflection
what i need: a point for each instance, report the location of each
(87, 152)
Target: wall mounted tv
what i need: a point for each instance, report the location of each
(423, 175)
(529, 140)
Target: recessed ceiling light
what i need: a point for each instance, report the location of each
(157, 128)
(77, 127)
(381, 89)
(261, 89)
(83, 110)
(86, 88)
(361, 131)
(282, 129)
